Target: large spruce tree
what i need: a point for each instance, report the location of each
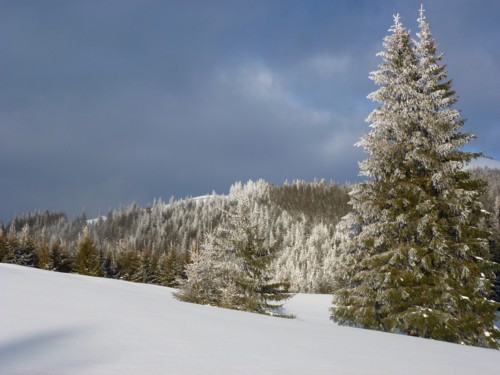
(412, 256)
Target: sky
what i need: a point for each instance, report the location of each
(104, 103)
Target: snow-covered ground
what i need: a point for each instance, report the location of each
(52, 323)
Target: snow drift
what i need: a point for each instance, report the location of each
(54, 323)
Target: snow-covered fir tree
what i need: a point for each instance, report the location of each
(244, 261)
(20, 247)
(413, 255)
(202, 283)
(232, 268)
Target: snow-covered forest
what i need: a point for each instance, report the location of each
(152, 244)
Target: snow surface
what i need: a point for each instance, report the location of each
(53, 323)
(96, 220)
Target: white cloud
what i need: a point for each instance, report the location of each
(256, 82)
(252, 79)
(262, 95)
(327, 66)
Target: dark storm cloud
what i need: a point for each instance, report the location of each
(106, 103)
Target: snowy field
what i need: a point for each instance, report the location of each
(52, 323)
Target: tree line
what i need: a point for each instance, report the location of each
(297, 218)
(154, 244)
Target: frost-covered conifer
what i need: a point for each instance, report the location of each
(20, 247)
(248, 260)
(147, 271)
(244, 262)
(202, 283)
(128, 260)
(412, 255)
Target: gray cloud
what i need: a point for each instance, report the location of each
(103, 104)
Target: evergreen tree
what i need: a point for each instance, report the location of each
(87, 260)
(171, 266)
(147, 272)
(495, 246)
(43, 254)
(3, 242)
(244, 262)
(61, 259)
(167, 268)
(412, 256)
(128, 260)
(232, 267)
(20, 248)
(202, 283)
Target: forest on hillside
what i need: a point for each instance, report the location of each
(153, 244)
